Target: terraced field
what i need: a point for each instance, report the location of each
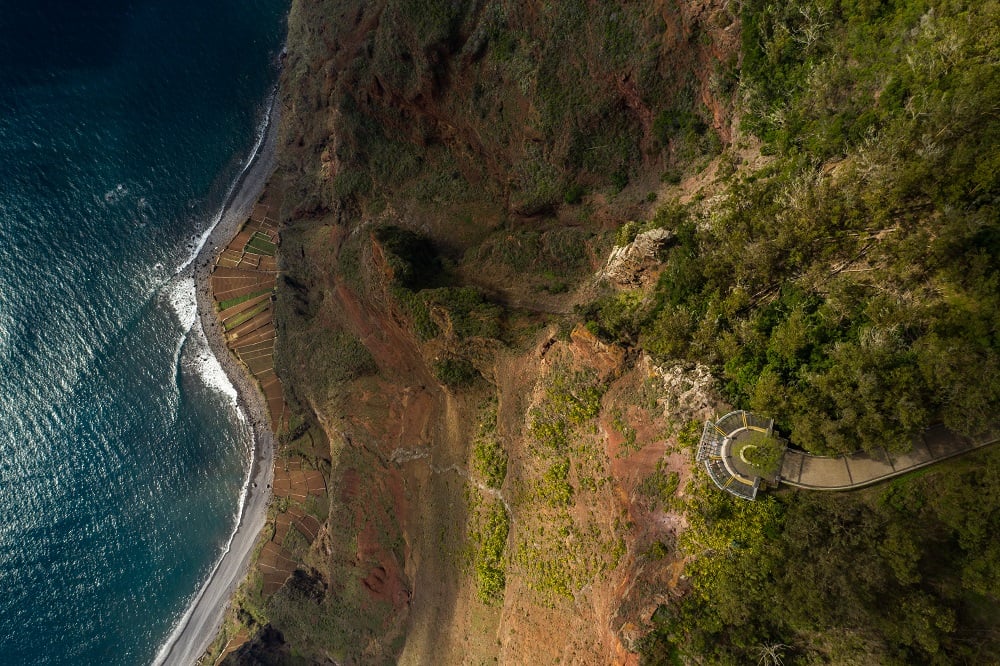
(277, 561)
(243, 281)
(243, 287)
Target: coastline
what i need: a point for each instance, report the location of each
(201, 621)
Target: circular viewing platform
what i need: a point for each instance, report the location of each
(740, 452)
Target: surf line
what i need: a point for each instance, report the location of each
(262, 131)
(180, 308)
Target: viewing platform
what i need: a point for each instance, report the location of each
(741, 454)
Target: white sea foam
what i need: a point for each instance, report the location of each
(210, 370)
(199, 357)
(181, 295)
(212, 373)
(261, 135)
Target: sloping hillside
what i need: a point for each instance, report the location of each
(799, 207)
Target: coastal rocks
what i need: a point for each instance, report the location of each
(628, 264)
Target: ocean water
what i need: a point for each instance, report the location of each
(122, 454)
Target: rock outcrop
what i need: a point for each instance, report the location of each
(629, 265)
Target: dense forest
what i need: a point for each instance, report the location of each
(849, 289)
(904, 574)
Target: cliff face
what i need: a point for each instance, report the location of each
(524, 101)
(500, 480)
(525, 244)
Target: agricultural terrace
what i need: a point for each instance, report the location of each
(243, 282)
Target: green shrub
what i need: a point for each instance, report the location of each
(626, 233)
(489, 560)
(660, 487)
(413, 304)
(455, 372)
(574, 194)
(471, 315)
(490, 459)
(554, 487)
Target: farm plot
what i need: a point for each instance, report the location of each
(242, 283)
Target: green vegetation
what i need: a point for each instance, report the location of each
(571, 399)
(420, 315)
(846, 285)
(418, 274)
(660, 487)
(334, 358)
(455, 372)
(816, 572)
(616, 316)
(560, 250)
(762, 451)
(562, 555)
(620, 424)
(554, 487)
(228, 303)
(246, 315)
(468, 311)
(558, 550)
(583, 69)
(490, 543)
(260, 244)
(849, 289)
(489, 458)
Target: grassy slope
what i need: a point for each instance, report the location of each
(455, 135)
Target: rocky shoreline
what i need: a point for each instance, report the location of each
(202, 620)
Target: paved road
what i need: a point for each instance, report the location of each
(857, 470)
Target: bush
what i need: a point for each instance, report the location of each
(574, 194)
(489, 561)
(416, 308)
(471, 315)
(490, 460)
(455, 372)
(413, 258)
(554, 487)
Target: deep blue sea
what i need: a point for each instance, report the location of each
(122, 455)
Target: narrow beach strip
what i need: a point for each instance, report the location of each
(200, 623)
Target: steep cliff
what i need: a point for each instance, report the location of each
(454, 173)
(526, 245)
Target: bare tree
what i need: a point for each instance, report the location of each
(771, 655)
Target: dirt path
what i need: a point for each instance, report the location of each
(858, 470)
